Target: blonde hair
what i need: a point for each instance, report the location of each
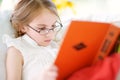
(27, 10)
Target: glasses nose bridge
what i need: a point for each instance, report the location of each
(48, 30)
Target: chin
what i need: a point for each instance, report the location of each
(46, 44)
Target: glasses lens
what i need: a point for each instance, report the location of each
(57, 26)
(44, 31)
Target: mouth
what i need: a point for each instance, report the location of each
(47, 41)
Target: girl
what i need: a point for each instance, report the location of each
(31, 53)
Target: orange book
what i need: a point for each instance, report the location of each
(108, 43)
(81, 46)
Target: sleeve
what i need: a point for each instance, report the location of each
(9, 41)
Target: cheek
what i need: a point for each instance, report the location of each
(53, 35)
(34, 35)
(37, 37)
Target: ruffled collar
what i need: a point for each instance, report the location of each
(29, 40)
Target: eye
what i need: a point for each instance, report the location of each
(43, 28)
(53, 26)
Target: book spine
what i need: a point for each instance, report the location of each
(107, 43)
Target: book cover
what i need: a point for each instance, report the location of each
(80, 46)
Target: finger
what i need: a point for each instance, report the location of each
(52, 75)
(53, 68)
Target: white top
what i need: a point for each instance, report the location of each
(36, 57)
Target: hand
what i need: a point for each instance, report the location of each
(50, 73)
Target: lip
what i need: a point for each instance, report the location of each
(47, 40)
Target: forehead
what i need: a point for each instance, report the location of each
(45, 17)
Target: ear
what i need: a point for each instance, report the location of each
(24, 29)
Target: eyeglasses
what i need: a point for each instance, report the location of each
(56, 27)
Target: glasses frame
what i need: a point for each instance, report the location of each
(38, 31)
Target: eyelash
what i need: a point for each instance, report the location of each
(53, 26)
(42, 28)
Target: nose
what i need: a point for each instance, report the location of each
(49, 33)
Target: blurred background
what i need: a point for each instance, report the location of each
(77, 7)
(88, 10)
(101, 10)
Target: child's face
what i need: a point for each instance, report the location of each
(40, 29)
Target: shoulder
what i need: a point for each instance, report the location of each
(12, 50)
(14, 63)
(14, 54)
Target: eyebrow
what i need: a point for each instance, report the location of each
(45, 24)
